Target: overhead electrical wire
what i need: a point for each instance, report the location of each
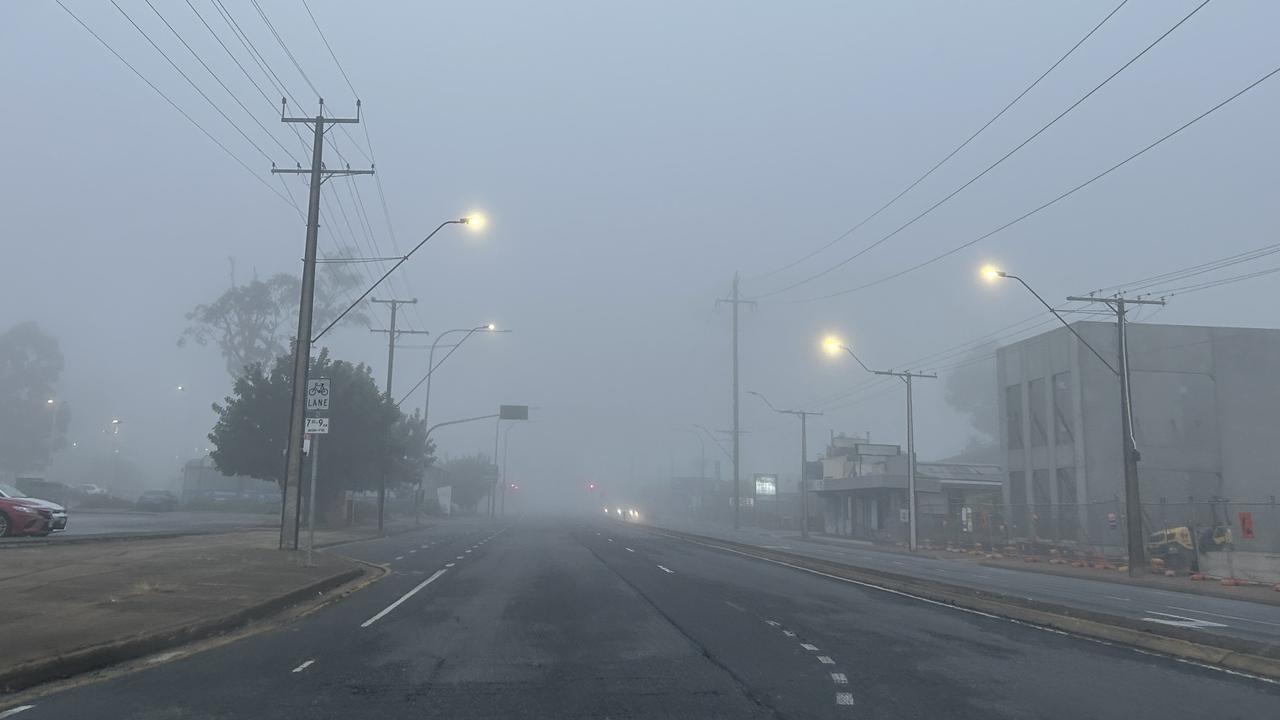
(175, 105)
(1048, 203)
(949, 155)
(989, 168)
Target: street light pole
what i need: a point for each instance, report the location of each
(431, 362)
(907, 377)
(804, 458)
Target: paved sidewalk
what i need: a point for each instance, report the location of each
(61, 601)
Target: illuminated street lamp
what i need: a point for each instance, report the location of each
(833, 345)
(992, 274)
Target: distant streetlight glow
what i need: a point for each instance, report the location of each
(991, 273)
(491, 327)
(49, 401)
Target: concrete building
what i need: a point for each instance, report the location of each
(863, 494)
(1206, 403)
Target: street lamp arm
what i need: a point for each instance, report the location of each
(432, 365)
(1061, 320)
(460, 221)
(457, 422)
(849, 350)
(766, 401)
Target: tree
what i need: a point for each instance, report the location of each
(369, 435)
(471, 477)
(255, 322)
(31, 428)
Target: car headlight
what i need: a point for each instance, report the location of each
(24, 509)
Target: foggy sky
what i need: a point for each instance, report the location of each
(630, 158)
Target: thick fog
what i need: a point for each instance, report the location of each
(629, 159)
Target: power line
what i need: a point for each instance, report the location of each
(951, 154)
(284, 47)
(217, 79)
(992, 166)
(174, 105)
(1194, 270)
(190, 82)
(329, 47)
(1051, 202)
(254, 53)
(1217, 283)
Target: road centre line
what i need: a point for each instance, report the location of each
(774, 623)
(844, 698)
(458, 558)
(839, 678)
(399, 557)
(630, 550)
(810, 648)
(404, 597)
(449, 565)
(666, 570)
(303, 666)
(826, 660)
(789, 633)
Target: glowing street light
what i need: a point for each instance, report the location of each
(833, 345)
(475, 221)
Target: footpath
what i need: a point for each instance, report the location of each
(73, 608)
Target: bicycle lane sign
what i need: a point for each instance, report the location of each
(318, 394)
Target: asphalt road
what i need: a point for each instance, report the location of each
(1238, 618)
(577, 619)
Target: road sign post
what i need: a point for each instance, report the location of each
(311, 504)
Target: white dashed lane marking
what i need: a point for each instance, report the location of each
(826, 660)
(466, 552)
(303, 666)
(458, 558)
(666, 570)
(810, 648)
(774, 623)
(630, 550)
(449, 565)
(844, 698)
(839, 679)
(399, 557)
(789, 633)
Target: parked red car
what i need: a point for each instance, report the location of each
(21, 514)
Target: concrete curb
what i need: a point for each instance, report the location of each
(101, 656)
(339, 543)
(1235, 654)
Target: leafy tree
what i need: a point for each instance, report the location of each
(369, 435)
(255, 322)
(30, 428)
(471, 477)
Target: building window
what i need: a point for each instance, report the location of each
(1062, 408)
(1013, 415)
(1068, 513)
(1018, 501)
(1039, 416)
(1042, 507)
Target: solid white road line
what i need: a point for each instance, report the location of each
(404, 597)
(844, 698)
(839, 679)
(826, 660)
(1223, 615)
(666, 570)
(303, 666)
(810, 648)
(14, 711)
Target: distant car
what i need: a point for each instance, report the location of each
(21, 514)
(91, 489)
(158, 500)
